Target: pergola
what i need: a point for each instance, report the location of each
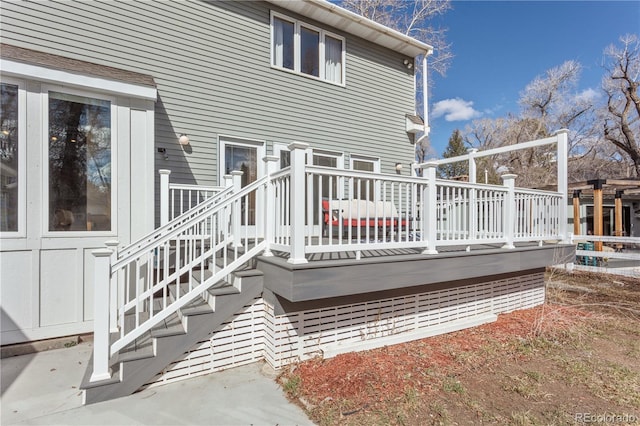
(600, 187)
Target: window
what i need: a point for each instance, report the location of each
(303, 49)
(330, 187)
(80, 158)
(9, 161)
(365, 188)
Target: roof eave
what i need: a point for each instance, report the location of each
(330, 14)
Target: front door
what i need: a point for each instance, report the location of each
(245, 156)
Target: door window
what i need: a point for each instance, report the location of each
(80, 159)
(9, 161)
(245, 159)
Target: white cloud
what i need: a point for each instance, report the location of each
(588, 95)
(455, 110)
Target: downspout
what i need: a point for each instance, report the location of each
(425, 91)
(425, 96)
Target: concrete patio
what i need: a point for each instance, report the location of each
(42, 389)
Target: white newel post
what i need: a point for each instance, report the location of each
(472, 164)
(473, 195)
(164, 196)
(429, 208)
(297, 201)
(101, 307)
(271, 162)
(563, 219)
(113, 285)
(225, 217)
(236, 211)
(509, 213)
(414, 172)
(228, 180)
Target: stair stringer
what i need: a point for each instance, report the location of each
(136, 373)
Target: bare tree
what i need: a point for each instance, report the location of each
(412, 18)
(549, 103)
(622, 120)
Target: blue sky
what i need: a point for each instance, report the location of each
(501, 46)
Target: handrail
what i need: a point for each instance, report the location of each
(195, 187)
(493, 151)
(192, 255)
(143, 243)
(184, 221)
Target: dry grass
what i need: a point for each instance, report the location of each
(580, 352)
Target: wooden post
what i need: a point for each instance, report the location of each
(101, 307)
(297, 196)
(597, 212)
(269, 207)
(619, 230)
(509, 215)
(164, 196)
(429, 212)
(576, 212)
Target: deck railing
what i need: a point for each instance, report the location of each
(340, 210)
(301, 210)
(142, 284)
(177, 198)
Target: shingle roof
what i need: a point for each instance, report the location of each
(49, 60)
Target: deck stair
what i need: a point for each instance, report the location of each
(137, 363)
(170, 290)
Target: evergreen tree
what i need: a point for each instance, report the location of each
(455, 148)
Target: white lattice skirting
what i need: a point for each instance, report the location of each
(256, 333)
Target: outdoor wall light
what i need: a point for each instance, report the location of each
(184, 139)
(398, 168)
(408, 63)
(163, 151)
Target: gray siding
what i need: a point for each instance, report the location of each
(211, 63)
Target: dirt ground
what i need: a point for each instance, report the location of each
(574, 360)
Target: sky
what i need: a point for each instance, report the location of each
(501, 46)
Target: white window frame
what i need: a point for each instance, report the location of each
(297, 46)
(278, 148)
(22, 158)
(376, 169)
(339, 156)
(224, 140)
(364, 159)
(46, 232)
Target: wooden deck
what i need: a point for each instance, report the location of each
(342, 274)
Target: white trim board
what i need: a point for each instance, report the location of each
(49, 75)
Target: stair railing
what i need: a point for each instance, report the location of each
(154, 276)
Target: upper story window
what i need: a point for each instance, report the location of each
(307, 50)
